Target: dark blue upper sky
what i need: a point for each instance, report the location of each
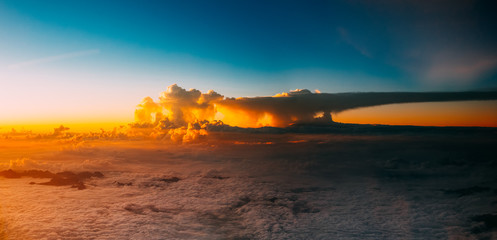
(260, 47)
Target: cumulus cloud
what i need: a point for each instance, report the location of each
(188, 106)
(178, 106)
(60, 130)
(145, 110)
(24, 164)
(180, 115)
(261, 191)
(186, 114)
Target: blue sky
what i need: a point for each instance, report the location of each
(123, 50)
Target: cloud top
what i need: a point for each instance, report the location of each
(188, 112)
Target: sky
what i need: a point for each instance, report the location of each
(221, 119)
(87, 61)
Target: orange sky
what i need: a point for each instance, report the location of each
(74, 126)
(463, 113)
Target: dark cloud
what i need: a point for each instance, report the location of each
(188, 113)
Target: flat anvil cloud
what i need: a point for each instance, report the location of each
(179, 108)
(303, 107)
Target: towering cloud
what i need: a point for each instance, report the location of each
(179, 114)
(183, 107)
(184, 115)
(145, 110)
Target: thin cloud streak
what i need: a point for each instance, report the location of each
(460, 70)
(345, 36)
(55, 58)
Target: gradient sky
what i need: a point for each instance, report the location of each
(83, 60)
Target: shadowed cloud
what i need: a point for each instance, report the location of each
(178, 108)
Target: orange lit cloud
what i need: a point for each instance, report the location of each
(184, 115)
(302, 106)
(179, 115)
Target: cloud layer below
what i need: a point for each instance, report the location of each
(258, 186)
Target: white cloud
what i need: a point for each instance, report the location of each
(331, 186)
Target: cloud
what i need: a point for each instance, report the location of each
(459, 68)
(188, 106)
(447, 44)
(60, 130)
(450, 65)
(184, 115)
(145, 110)
(249, 188)
(345, 36)
(55, 58)
(305, 106)
(181, 114)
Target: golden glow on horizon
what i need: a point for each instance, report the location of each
(461, 113)
(73, 127)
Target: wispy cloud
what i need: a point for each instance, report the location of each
(459, 68)
(34, 62)
(344, 35)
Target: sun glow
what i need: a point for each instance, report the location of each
(79, 127)
(186, 115)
